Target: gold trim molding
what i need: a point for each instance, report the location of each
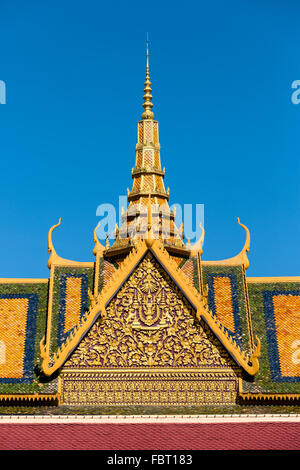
(30, 398)
(265, 397)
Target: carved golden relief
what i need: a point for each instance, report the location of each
(149, 323)
(155, 389)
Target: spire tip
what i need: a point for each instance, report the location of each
(147, 105)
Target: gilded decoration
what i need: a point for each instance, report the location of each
(149, 388)
(149, 323)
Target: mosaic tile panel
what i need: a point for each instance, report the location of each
(188, 269)
(108, 271)
(73, 302)
(282, 316)
(17, 337)
(223, 301)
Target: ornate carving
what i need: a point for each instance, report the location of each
(149, 323)
(152, 388)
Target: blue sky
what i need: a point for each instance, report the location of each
(221, 73)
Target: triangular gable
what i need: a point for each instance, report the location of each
(49, 365)
(149, 324)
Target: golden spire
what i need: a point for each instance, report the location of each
(147, 105)
(147, 187)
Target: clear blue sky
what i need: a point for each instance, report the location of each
(221, 73)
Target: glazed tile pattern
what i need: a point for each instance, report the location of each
(108, 271)
(187, 268)
(282, 316)
(223, 301)
(17, 336)
(61, 312)
(73, 302)
(275, 308)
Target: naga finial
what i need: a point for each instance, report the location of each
(246, 248)
(247, 242)
(51, 248)
(98, 248)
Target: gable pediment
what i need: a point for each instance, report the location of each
(101, 303)
(149, 323)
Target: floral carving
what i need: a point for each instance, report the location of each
(149, 323)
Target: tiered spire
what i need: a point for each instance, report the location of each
(148, 185)
(147, 114)
(147, 173)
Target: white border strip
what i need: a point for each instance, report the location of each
(149, 419)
